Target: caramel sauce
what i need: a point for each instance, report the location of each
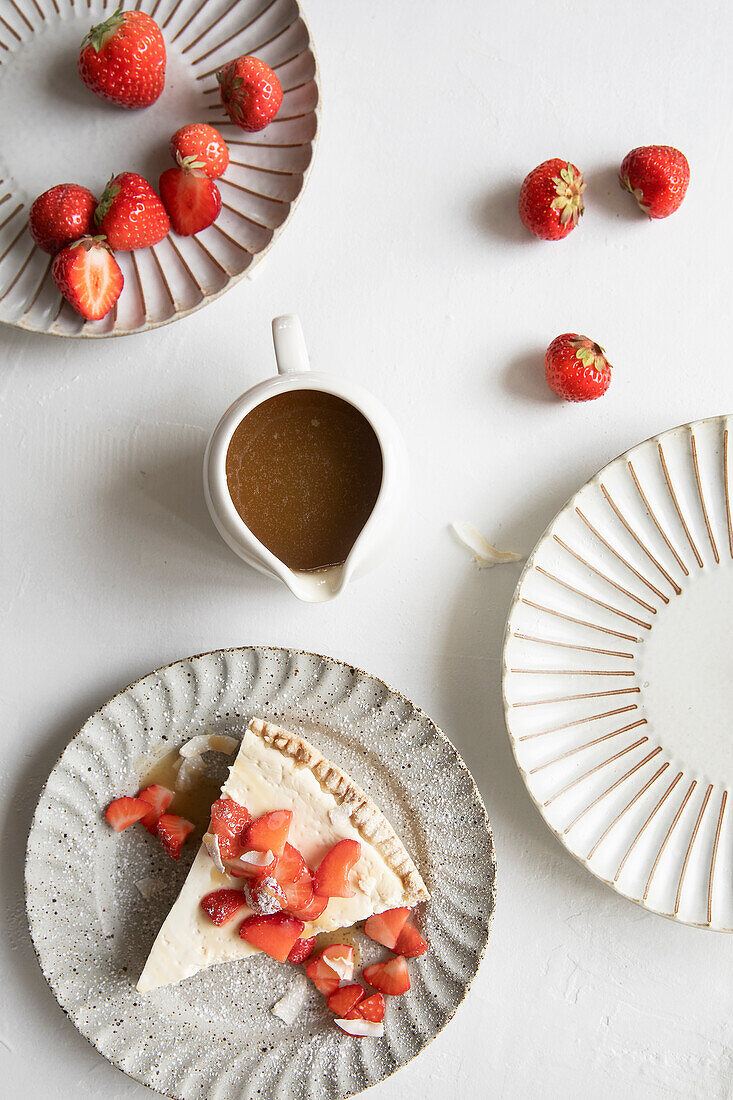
(194, 805)
(304, 470)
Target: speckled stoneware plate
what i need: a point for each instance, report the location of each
(54, 130)
(618, 668)
(214, 1034)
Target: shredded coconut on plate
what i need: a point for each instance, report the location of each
(485, 555)
(289, 1006)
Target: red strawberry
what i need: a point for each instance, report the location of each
(371, 1008)
(125, 811)
(307, 910)
(409, 942)
(191, 199)
(229, 822)
(343, 1000)
(331, 880)
(89, 277)
(270, 832)
(389, 977)
(123, 59)
(131, 214)
(61, 216)
(657, 176)
(276, 934)
(551, 199)
(172, 833)
(291, 867)
(160, 799)
(264, 895)
(250, 91)
(302, 950)
(200, 146)
(576, 368)
(223, 905)
(334, 965)
(385, 927)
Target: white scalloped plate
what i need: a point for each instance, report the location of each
(54, 130)
(618, 668)
(214, 1034)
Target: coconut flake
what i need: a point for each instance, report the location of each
(211, 843)
(290, 1005)
(485, 555)
(190, 773)
(149, 886)
(361, 1028)
(342, 965)
(249, 862)
(339, 815)
(209, 742)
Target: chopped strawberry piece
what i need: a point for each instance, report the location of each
(229, 822)
(302, 950)
(331, 878)
(334, 965)
(125, 811)
(172, 832)
(264, 895)
(291, 867)
(252, 865)
(409, 942)
(371, 1008)
(323, 977)
(298, 894)
(307, 910)
(389, 977)
(385, 927)
(275, 934)
(159, 798)
(222, 905)
(343, 1000)
(270, 832)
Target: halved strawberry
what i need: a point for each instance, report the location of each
(88, 276)
(160, 799)
(229, 821)
(385, 927)
(409, 942)
(270, 831)
(172, 832)
(275, 934)
(302, 950)
(331, 878)
(343, 1000)
(222, 905)
(309, 910)
(390, 977)
(371, 1008)
(192, 200)
(264, 895)
(291, 867)
(125, 811)
(252, 864)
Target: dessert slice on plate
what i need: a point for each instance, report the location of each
(299, 850)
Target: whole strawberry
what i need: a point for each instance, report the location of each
(123, 59)
(250, 91)
(61, 215)
(130, 214)
(89, 277)
(200, 147)
(657, 176)
(551, 199)
(576, 368)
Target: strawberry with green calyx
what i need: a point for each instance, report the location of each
(250, 92)
(89, 277)
(123, 59)
(657, 176)
(131, 214)
(551, 199)
(200, 147)
(576, 368)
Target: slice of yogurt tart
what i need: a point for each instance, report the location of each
(294, 848)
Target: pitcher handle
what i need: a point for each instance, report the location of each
(291, 354)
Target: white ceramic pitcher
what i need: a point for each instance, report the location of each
(294, 373)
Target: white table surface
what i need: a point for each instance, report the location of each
(411, 273)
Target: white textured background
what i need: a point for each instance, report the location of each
(411, 273)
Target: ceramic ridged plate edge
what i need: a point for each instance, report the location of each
(79, 908)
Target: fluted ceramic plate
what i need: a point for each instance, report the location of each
(214, 1034)
(54, 130)
(618, 673)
